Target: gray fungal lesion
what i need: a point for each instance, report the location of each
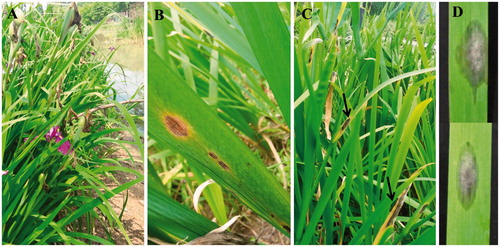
(467, 176)
(472, 55)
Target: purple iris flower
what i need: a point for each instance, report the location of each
(55, 135)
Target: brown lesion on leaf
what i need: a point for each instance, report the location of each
(223, 165)
(213, 155)
(423, 208)
(345, 124)
(286, 227)
(219, 161)
(176, 126)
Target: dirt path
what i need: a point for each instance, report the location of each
(252, 226)
(133, 215)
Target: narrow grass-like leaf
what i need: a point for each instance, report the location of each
(272, 52)
(183, 223)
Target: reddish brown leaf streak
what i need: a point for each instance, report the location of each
(287, 228)
(344, 125)
(176, 126)
(212, 155)
(223, 165)
(219, 161)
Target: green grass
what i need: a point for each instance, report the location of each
(384, 66)
(51, 76)
(221, 112)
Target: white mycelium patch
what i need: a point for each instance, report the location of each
(467, 176)
(473, 56)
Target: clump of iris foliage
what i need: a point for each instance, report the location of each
(55, 138)
(383, 61)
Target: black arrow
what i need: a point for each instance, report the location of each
(347, 111)
(390, 194)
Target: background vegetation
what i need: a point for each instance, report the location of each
(94, 12)
(123, 31)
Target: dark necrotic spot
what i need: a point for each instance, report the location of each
(467, 176)
(212, 155)
(423, 209)
(319, 227)
(344, 125)
(287, 228)
(223, 165)
(176, 126)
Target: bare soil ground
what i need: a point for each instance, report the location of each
(133, 216)
(252, 226)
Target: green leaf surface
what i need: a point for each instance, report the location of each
(214, 21)
(181, 121)
(473, 225)
(269, 38)
(172, 219)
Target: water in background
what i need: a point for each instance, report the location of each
(126, 83)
